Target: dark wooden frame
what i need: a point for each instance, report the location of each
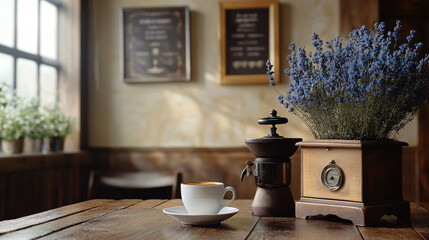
(273, 32)
(84, 56)
(186, 45)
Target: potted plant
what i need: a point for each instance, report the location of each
(3, 104)
(35, 127)
(58, 126)
(355, 98)
(13, 130)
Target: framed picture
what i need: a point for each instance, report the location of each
(156, 44)
(249, 36)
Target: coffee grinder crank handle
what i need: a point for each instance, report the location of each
(247, 171)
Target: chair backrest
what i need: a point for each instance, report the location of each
(143, 185)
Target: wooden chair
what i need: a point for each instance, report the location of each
(134, 185)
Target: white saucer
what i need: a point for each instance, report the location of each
(179, 213)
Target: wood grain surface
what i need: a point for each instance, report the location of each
(314, 160)
(390, 228)
(144, 219)
(291, 228)
(24, 222)
(49, 227)
(419, 220)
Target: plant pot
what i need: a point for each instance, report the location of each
(14, 146)
(33, 145)
(56, 144)
(355, 180)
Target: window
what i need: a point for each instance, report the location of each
(29, 61)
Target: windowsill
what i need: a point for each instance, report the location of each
(37, 154)
(36, 161)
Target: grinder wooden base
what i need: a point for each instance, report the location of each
(361, 214)
(365, 180)
(273, 202)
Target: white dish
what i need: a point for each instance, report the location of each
(180, 214)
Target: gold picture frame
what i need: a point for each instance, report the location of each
(249, 32)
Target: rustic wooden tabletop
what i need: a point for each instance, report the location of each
(144, 219)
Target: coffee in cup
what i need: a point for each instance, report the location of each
(205, 197)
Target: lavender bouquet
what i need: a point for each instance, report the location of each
(367, 90)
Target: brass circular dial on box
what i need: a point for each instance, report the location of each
(332, 176)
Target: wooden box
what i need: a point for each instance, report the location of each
(371, 180)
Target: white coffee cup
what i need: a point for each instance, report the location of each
(202, 198)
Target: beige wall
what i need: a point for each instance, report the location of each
(69, 84)
(200, 113)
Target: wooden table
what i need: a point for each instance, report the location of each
(137, 219)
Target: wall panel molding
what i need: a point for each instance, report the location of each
(221, 164)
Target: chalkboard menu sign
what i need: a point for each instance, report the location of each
(247, 41)
(249, 37)
(156, 44)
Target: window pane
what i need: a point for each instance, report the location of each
(26, 78)
(48, 85)
(7, 11)
(6, 69)
(27, 25)
(48, 29)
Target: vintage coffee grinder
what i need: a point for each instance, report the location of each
(272, 170)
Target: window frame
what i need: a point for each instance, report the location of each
(37, 58)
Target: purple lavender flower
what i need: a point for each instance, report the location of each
(270, 72)
(368, 89)
(411, 36)
(397, 31)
